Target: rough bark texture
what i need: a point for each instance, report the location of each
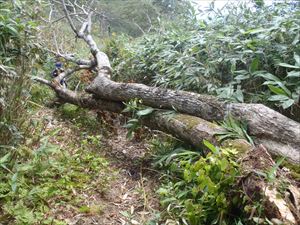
(278, 133)
(194, 130)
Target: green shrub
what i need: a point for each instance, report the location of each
(203, 190)
(17, 54)
(241, 54)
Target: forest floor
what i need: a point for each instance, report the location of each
(129, 196)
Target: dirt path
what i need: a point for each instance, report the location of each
(130, 198)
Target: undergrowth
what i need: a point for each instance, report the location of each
(41, 180)
(80, 117)
(200, 189)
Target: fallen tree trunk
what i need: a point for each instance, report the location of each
(278, 133)
(185, 127)
(195, 130)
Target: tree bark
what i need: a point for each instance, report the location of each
(275, 131)
(195, 130)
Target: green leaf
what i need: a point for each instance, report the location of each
(125, 213)
(133, 121)
(254, 65)
(277, 90)
(25, 167)
(163, 191)
(84, 209)
(14, 182)
(297, 59)
(272, 173)
(239, 95)
(5, 158)
(296, 39)
(288, 103)
(242, 77)
(268, 76)
(278, 98)
(168, 200)
(211, 147)
(145, 112)
(274, 81)
(12, 30)
(224, 163)
(255, 31)
(127, 109)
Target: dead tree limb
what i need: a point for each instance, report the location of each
(279, 134)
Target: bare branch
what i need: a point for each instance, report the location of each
(71, 15)
(83, 29)
(89, 21)
(90, 4)
(71, 58)
(50, 13)
(43, 81)
(81, 99)
(55, 42)
(69, 72)
(69, 18)
(150, 22)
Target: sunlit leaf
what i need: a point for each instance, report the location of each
(14, 182)
(288, 66)
(288, 103)
(5, 158)
(297, 59)
(294, 73)
(254, 31)
(145, 112)
(211, 147)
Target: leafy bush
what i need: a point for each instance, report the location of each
(241, 54)
(203, 189)
(207, 189)
(137, 111)
(17, 54)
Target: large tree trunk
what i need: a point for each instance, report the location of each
(195, 130)
(264, 121)
(278, 133)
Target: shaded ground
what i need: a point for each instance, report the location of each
(130, 197)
